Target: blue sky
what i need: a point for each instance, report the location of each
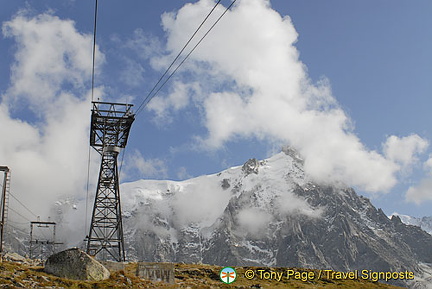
(347, 83)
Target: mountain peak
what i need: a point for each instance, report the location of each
(425, 223)
(251, 166)
(267, 213)
(293, 153)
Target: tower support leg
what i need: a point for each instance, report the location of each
(105, 240)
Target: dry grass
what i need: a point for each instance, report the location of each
(14, 275)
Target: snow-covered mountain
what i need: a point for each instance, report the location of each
(269, 213)
(264, 213)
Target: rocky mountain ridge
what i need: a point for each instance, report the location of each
(425, 222)
(268, 213)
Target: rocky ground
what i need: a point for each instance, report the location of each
(30, 274)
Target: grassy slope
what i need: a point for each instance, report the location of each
(14, 275)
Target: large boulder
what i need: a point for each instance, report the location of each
(76, 264)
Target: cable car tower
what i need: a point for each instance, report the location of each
(110, 126)
(4, 205)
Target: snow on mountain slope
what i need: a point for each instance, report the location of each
(425, 222)
(169, 210)
(202, 200)
(264, 213)
(267, 213)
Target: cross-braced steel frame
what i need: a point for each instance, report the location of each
(42, 246)
(110, 126)
(4, 204)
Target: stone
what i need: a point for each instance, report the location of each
(76, 264)
(14, 257)
(114, 266)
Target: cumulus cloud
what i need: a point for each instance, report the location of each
(182, 174)
(423, 191)
(50, 54)
(177, 99)
(403, 150)
(254, 220)
(137, 165)
(428, 164)
(132, 75)
(47, 152)
(141, 43)
(290, 204)
(270, 96)
(200, 202)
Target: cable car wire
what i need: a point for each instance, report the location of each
(150, 96)
(25, 207)
(155, 88)
(178, 55)
(92, 98)
(94, 50)
(19, 214)
(16, 199)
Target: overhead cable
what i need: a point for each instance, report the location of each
(94, 50)
(92, 98)
(24, 206)
(19, 214)
(151, 95)
(16, 199)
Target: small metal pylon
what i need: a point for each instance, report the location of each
(42, 239)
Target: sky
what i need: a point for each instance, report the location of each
(348, 84)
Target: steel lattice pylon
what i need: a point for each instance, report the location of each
(4, 204)
(110, 126)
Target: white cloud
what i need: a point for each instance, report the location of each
(403, 150)
(50, 54)
(254, 221)
(428, 164)
(201, 201)
(182, 174)
(423, 190)
(50, 77)
(290, 204)
(179, 97)
(146, 168)
(132, 54)
(133, 73)
(420, 193)
(271, 97)
(143, 44)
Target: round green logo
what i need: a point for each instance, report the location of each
(228, 275)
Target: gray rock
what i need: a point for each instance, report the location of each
(251, 166)
(14, 257)
(76, 264)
